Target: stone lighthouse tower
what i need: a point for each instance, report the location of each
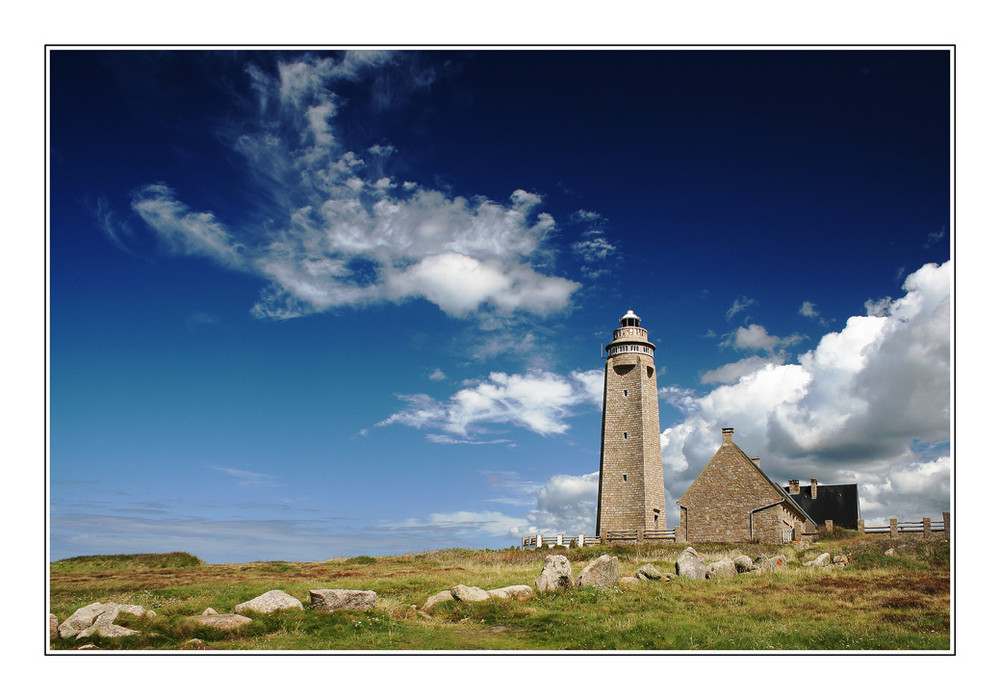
(630, 495)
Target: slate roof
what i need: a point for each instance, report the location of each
(836, 502)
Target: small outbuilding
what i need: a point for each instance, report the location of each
(834, 502)
(733, 500)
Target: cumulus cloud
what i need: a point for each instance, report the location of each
(849, 410)
(338, 231)
(538, 401)
(756, 337)
(565, 503)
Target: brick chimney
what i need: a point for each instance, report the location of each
(793, 486)
(727, 436)
(812, 488)
(756, 461)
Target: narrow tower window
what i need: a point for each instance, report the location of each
(626, 436)
(626, 392)
(624, 477)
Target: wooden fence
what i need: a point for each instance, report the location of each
(925, 527)
(536, 541)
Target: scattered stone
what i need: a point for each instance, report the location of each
(891, 552)
(222, 622)
(649, 572)
(603, 572)
(103, 628)
(772, 563)
(98, 618)
(629, 581)
(87, 647)
(841, 560)
(556, 574)
(269, 602)
(691, 564)
(209, 611)
(328, 599)
(469, 594)
(724, 568)
(53, 626)
(437, 598)
(743, 564)
(822, 560)
(518, 592)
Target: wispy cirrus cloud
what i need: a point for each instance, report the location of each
(247, 478)
(338, 231)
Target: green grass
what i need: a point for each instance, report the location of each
(878, 603)
(173, 560)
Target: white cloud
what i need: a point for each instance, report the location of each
(463, 523)
(849, 410)
(437, 375)
(247, 478)
(739, 305)
(339, 233)
(538, 401)
(756, 337)
(735, 370)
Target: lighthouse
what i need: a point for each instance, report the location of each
(630, 496)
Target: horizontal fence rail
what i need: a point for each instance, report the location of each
(925, 527)
(668, 535)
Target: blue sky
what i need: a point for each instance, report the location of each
(314, 304)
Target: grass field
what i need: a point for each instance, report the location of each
(879, 602)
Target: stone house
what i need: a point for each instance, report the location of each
(733, 500)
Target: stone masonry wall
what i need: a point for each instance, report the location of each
(631, 482)
(722, 499)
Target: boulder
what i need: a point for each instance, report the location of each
(222, 622)
(469, 594)
(341, 599)
(437, 598)
(209, 611)
(518, 592)
(773, 563)
(724, 568)
(98, 618)
(648, 572)
(269, 602)
(629, 581)
(556, 574)
(822, 560)
(690, 564)
(840, 560)
(102, 628)
(603, 572)
(743, 564)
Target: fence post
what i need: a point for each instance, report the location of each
(538, 540)
(580, 540)
(861, 526)
(927, 527)
(559, 540)
(947, 523)
(893, 527)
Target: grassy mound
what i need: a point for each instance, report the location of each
(172, 560)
